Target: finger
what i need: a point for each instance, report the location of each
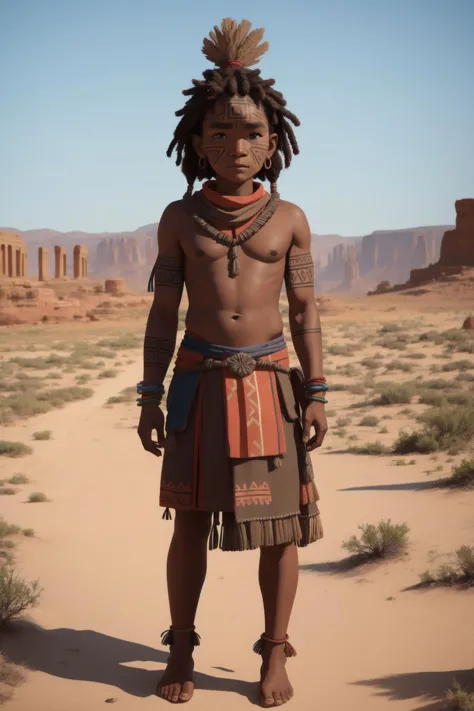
(149, 444)
(306, 431)
(317, 440)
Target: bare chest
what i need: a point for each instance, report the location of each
(269, 245)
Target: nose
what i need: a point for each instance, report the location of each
(240, 149)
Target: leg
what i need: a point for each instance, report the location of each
(186, 572)
(278, 578)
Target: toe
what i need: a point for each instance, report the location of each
(278, 699)
(175, 692)
(268, 702)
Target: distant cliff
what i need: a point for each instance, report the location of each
(341, 263)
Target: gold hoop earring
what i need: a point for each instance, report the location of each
(269, 161)
(202, 162)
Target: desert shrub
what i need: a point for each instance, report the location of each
(437, 385)
(411, 442)
(394, 343)
(42, 435)
(357, 388)
(335, 387)
(331, 413)
(398, 365)
(462, 474)
(390, 328)
(11, 676)
(7, 491)
(126, 395)
(458, 365)
(121, 343)
(460, 571)
(449, 425)
(371, 363)
(371, 448)
(383, 430)
(459, 699)
(16, 595)
(35, 403)
(343, 421)
(414, 355)
(345, 350)
(395, 393)
(348, 370)
(109, 373)
(14, 449)
(432, 398)
(28, 532)
(37, 497)
(18, 479)
(465, 377)
(384, 540)
(369, 421)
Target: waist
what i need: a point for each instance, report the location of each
(192, 342)
(197, 354)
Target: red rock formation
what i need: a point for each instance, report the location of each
(151, 251)
(351, 270)
(420, 253)
(468, 322)
(457, 247)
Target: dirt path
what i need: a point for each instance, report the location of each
(100, 552)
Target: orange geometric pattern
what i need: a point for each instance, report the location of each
(176, 495)
(254, 495)
(254, 418)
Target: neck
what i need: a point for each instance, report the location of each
(224, 187)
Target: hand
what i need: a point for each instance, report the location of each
(152, 418)
(314, 416)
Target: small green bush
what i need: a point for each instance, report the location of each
(28, 532)
(461, 571)
(14, 449)
(16, 595)
(459, 699)
(369, 421)
(18, 479)
(37, 497)
(371, 448)
(42, 435)
(384, 540)
(411, 442)
(458, 365)
(395, 393)
(463, 474)
(7, 491)
(109, 373)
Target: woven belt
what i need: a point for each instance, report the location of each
(241, 364)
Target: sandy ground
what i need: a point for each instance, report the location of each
(364, 641)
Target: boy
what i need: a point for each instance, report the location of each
(239, 419)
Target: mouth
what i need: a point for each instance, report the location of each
(238, 165)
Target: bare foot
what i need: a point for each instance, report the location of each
(177, 683)
(275, 687)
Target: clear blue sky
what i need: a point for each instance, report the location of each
(384, 90)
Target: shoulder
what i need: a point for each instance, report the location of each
(294, 213)
(173, 210)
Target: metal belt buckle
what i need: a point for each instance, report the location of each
(240, 364)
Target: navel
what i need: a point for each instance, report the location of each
(235, 317)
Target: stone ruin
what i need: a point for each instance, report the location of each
(13, 255)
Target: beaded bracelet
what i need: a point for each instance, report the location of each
(142, 400)
(144, 388)
(316, 387)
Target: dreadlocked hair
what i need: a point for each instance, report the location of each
(233, 49)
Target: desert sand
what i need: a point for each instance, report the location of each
(367, 639)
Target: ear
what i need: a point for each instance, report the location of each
(272, 144)
(197, 144)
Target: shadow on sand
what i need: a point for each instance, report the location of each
(407, 486)
(423, 686)
(349, 566)
(85, 655)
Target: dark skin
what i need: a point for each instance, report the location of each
(235, 141)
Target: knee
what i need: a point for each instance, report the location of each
(194, 526)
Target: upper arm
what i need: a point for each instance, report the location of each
(299, 269)
(169, 265)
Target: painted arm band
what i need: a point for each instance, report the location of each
(168, 271)
(157, 352)
(299, 271)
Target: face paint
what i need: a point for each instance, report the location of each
(236, 139)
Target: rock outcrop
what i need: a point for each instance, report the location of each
(468, 322)
(457, 247)
(115, 252)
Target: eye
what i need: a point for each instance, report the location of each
(219, 136)
(255, 135)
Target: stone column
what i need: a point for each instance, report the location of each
(80, 261)
(43, 263)
(59, 262)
